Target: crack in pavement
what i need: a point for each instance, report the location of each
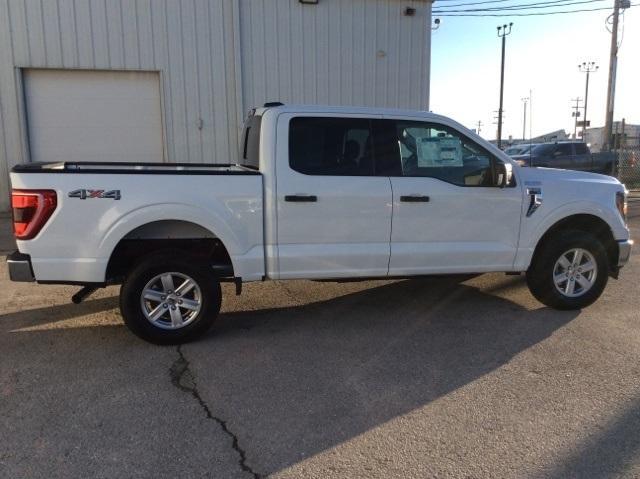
(183, 379)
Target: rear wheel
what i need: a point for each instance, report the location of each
(168, 298)
(570, 271)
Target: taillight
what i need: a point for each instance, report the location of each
(31, 210)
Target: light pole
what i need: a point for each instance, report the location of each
(503, 31)
(524, 117)
(586, 67)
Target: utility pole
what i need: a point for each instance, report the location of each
(576, 114)
(495, 120)
(530, 115)
(586, 67)
(479, 127)
(611, 85)
(503, 31)
(524, 118)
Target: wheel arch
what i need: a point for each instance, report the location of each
(588, 223)
(156, 229)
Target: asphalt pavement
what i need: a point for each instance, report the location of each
(443, 377)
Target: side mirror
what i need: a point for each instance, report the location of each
(504, 174)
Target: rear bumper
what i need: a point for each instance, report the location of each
(20, 267)
(624, 252)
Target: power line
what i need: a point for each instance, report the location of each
(477, 3)
(481, 3)
(522, 6)
(530, 6)
(534, 14)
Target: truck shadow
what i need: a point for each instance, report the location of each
(308, 367)
(294, 381)
(53, 314)
(611, 452)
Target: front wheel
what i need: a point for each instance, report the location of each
(168, 298)
(570, 271)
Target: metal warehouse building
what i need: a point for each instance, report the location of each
(171, 80)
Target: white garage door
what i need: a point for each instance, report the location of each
(76, 115)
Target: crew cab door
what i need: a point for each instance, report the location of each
(449, 214)
(333, 213)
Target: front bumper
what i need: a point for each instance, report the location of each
(20, 267)
(624, 252)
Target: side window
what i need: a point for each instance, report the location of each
(436, 151)
(331, 146)
(581, 149)
(564, 149)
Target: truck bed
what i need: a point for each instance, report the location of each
(135, 168)
(101, 204)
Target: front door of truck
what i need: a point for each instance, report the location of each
(333, 213)
(449, 213)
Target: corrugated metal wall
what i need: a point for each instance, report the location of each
(216, 59)
(353, 52)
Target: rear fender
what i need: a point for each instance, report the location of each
(235, 243)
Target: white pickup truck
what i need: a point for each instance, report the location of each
(320, 193)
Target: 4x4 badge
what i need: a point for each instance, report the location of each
(84, 194)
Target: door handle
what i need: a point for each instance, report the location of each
(415, 199)
(301, 198)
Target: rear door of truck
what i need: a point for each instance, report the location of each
(333, 213)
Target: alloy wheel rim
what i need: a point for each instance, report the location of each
(171, 300)
(575, 272)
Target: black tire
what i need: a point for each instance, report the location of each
(540, 276)
(206, 294)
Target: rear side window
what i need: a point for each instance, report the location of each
(251, 143)
(331, 146)
(581, 149)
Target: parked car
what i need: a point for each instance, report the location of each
(319, 193)
(568, 155)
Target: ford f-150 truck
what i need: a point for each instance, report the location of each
(319, 193)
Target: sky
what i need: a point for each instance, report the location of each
(542, 55)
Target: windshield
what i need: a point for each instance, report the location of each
(525, 149)
(514, 150)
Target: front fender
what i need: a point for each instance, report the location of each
(534, 228)
(609, 216)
